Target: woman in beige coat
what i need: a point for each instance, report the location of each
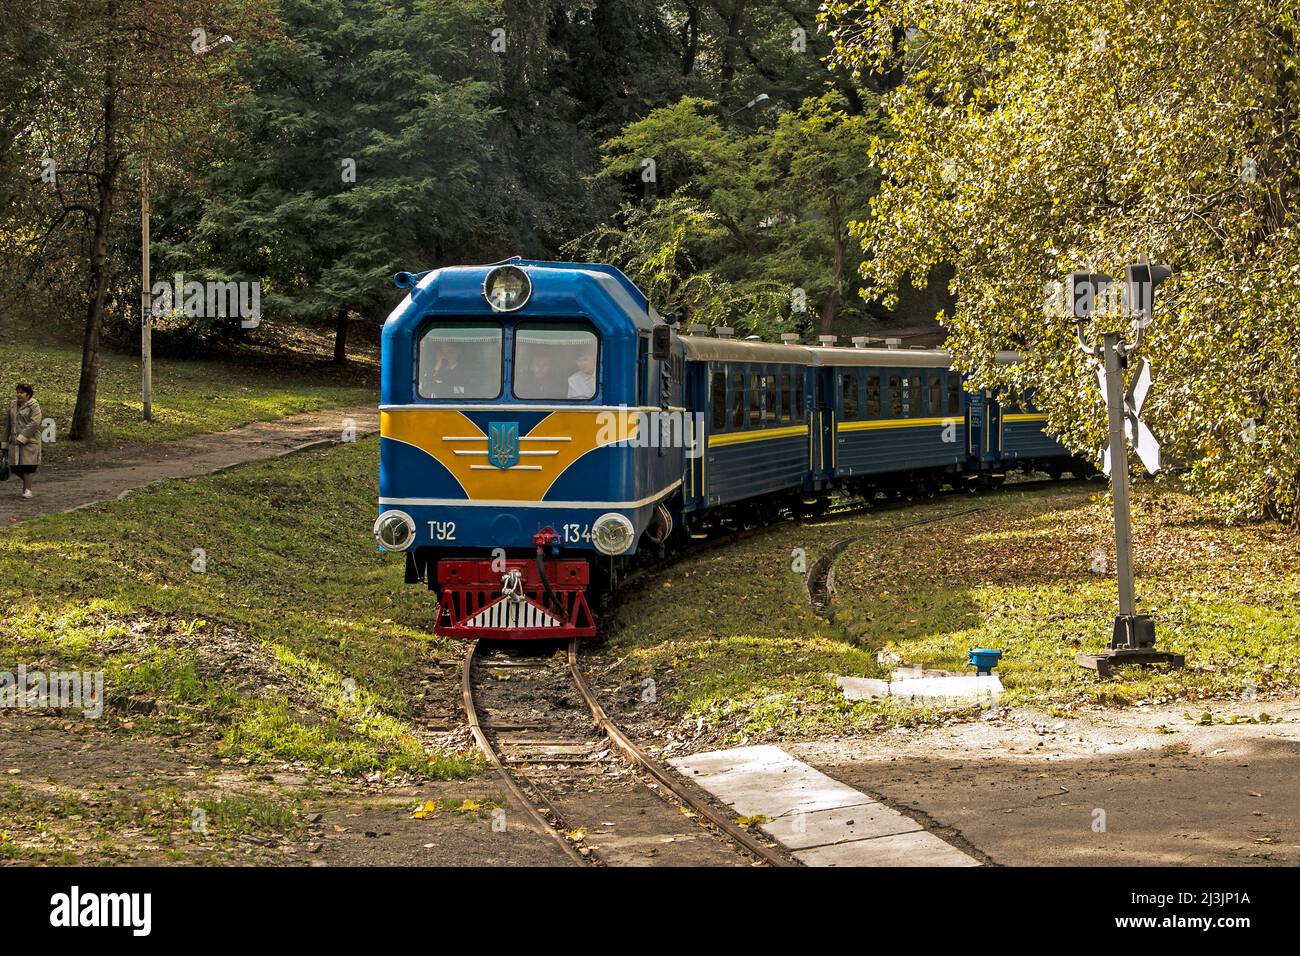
(20, 437)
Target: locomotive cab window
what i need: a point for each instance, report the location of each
(555, 361)
(459, 360)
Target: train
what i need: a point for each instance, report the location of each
(544, 431)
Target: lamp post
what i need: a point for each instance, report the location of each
(1133, 636)
(760, 98)
(146, 301)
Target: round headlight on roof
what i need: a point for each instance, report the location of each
(507, 288)
(395, 531)
(612, 533)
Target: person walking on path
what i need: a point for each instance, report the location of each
(20, 436)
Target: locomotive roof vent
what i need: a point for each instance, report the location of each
(893, 343)
(725, 332)
(697, 329)
(828, 341)
(790, 338)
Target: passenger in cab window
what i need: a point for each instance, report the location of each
(538, 378)
(582, 383)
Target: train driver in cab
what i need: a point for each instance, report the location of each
(451, 377)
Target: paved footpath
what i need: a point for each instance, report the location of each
(113, 472)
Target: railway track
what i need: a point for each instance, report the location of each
(583, 782)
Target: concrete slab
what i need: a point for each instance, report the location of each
(775, 789)
(964, 687)
(919, 848)
(800, 831)
(863, 688)
(725, 761)
(814, 814)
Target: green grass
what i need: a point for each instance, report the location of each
(729, 637)
(71, 827)
(190, 397)
(1226, 597)
(298, 642)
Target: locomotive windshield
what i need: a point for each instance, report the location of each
(555, 361)
(460, 360)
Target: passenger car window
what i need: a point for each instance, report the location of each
(954, 393)
(936, 394)
(737, 399)
(849, 390)
(556, 361)
(895, 396)
(798, 395)
(912, 396)
(459, 360)
(755, 400)
(873, 395)
(718, 399)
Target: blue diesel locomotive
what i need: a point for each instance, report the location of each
(543, 428)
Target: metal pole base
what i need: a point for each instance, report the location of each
(1121, 657)
(1133, 642)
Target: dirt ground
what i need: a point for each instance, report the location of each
(1143, 786)
(100, 796)
(1136, 787)
(113, 472)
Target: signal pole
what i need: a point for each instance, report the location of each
(1114, 370)
(1133, 636)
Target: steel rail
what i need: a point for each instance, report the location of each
(543, 825)
(666, 778)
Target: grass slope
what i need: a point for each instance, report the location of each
(294, 640)
(729, 638)
(190, 396)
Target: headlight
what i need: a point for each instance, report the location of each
(395, 531)
(612, 534)
(507, 288)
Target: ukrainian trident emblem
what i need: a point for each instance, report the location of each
(503, 444)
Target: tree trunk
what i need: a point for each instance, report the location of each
(690, 39)
(83, 415)
(731, 46)
(341, 336)
(832, 302)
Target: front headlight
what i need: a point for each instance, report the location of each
(395, 531)
(612, 534)
(507, 288)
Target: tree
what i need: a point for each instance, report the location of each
(825, 185)
(761, 219)
(369, 127)
(121, 77)
(1030, 141)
